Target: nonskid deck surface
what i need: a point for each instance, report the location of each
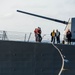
(26, 58)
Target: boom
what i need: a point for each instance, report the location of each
(56, 20)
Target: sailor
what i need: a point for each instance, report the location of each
(53, 36)
(68, 36)
(57, 36)
(36, 36)
(37, 32)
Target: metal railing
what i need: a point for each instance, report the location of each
(21, 36)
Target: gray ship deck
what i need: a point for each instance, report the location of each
(26, 58)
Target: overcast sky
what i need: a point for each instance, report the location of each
(10, 20)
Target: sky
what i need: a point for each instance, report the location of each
(11, 20)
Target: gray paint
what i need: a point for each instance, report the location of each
(24, 58)
(73, 28)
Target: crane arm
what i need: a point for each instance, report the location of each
(56, 20)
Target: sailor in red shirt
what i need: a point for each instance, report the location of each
(37, 32)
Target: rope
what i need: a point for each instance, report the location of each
(62, 67)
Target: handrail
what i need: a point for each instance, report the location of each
(24, 36)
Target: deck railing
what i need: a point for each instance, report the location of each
(25, 37)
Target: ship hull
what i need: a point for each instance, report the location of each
(27, 58)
